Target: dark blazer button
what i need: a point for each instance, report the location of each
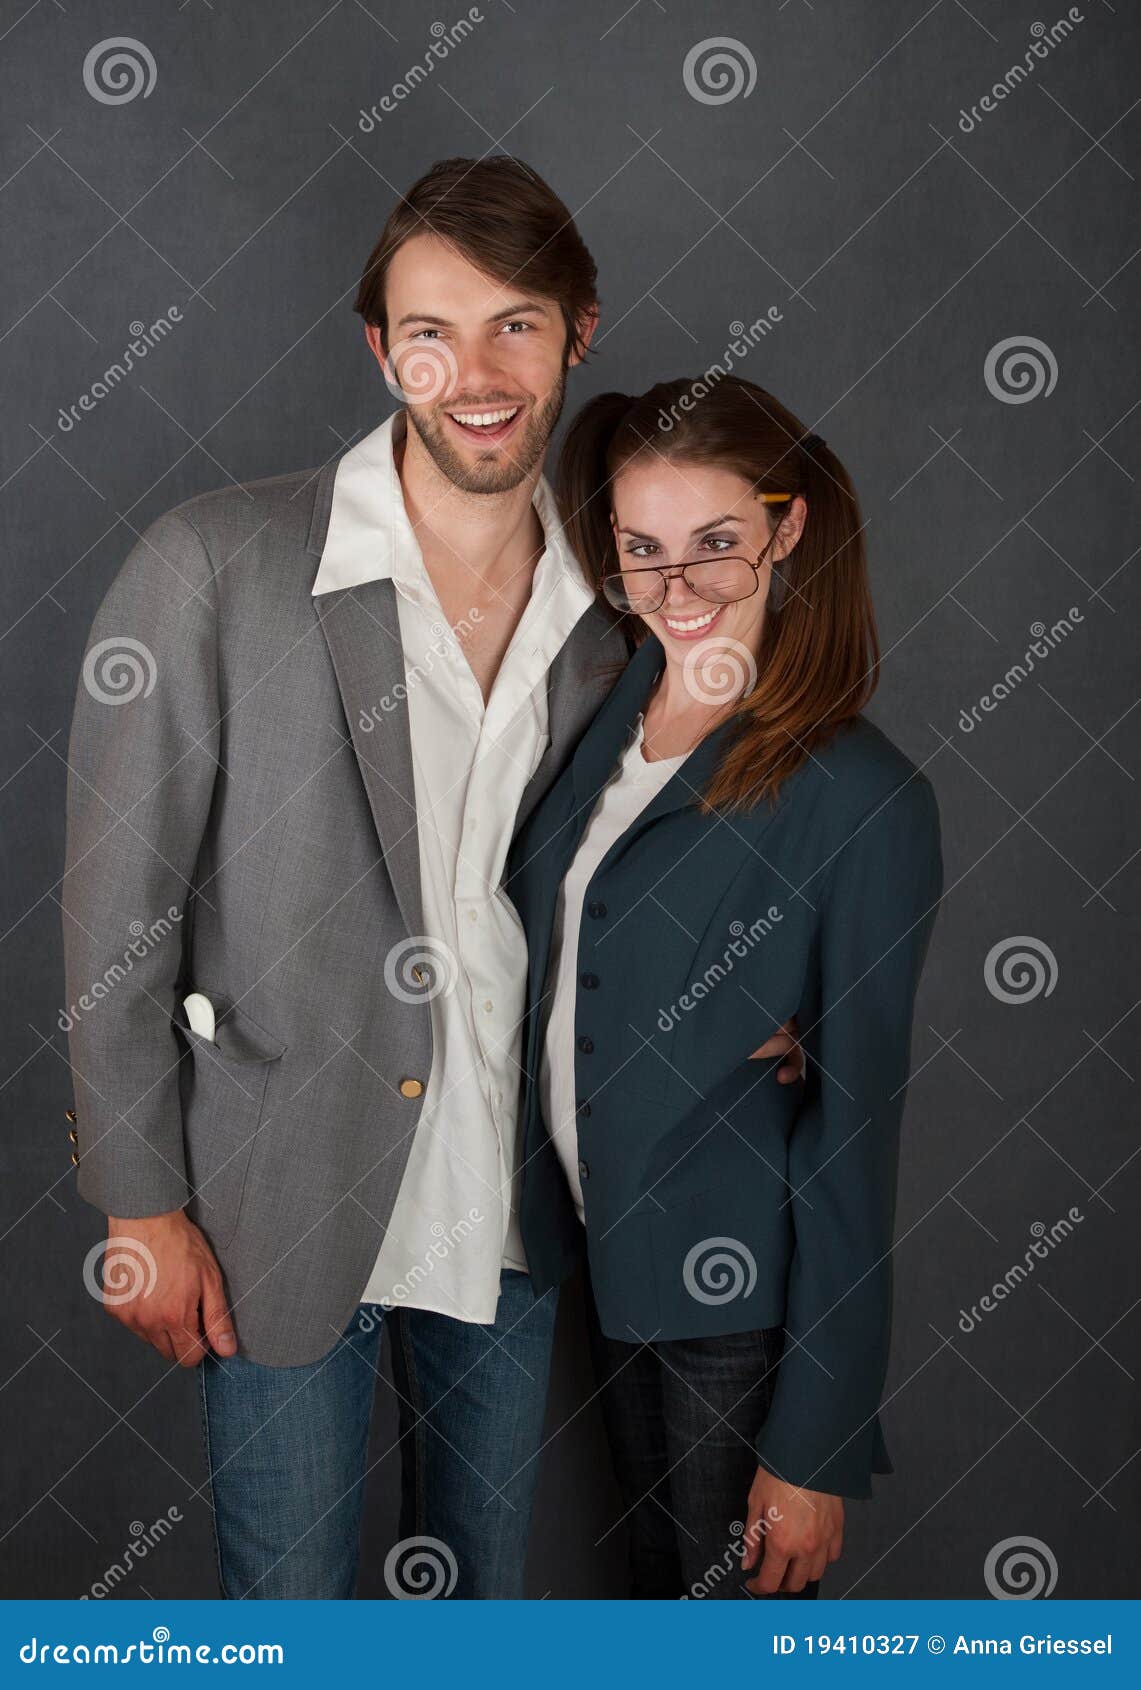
(590, 981)
(583, 1171)
(582, 1107)
(585, 1045)
(596, 910)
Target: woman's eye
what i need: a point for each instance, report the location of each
(720, 542)
(643, 549)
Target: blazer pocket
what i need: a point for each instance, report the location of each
(721, 1259)
(222, 1087)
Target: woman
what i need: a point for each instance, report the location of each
(733, 844)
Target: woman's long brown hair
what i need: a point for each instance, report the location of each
(819, 658)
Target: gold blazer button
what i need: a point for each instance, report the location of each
(411, 1088)
(75, 1158)
(69, 1115)
(73, 1135)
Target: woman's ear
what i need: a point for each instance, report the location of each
(791, 527)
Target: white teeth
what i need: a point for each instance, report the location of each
(680, 627)
(483, 419)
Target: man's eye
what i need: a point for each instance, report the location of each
(517, 325)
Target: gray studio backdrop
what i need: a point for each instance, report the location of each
(935, 209)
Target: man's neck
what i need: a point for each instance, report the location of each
(491, 536)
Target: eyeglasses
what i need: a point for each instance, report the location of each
(717, 580)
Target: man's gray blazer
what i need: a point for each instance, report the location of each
(241, 823)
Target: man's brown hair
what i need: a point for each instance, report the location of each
(504, 219)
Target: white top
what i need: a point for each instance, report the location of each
(471, 764)
(634, 783)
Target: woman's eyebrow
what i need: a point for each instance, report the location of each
(702, 528)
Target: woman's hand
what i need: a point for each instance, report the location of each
(782, 1041)
(791, 1534)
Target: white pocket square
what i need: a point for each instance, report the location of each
(200, 1014)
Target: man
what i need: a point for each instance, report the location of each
(352, 687)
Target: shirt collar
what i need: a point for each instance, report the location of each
(370, 538)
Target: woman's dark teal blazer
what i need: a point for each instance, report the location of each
(716, 1199)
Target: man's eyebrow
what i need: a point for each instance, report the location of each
(519, 308)
(702, 527)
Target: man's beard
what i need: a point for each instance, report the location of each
(495, 473)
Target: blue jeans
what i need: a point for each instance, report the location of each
(287, 1452)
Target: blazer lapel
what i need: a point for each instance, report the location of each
(577, 685)
(362, 629)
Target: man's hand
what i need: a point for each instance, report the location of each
(801, 1531)
(179, 1303)
(784, 1041)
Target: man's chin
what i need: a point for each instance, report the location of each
(489, 471)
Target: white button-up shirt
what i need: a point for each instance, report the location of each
(471, 762)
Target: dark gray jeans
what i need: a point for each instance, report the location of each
(681, 1418)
